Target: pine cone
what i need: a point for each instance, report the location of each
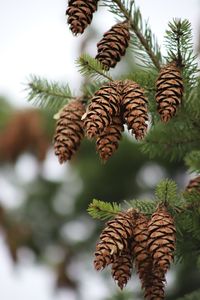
(154, 289)
(169, 91)
(114, 239)
(152, 281)
(161, 242)
(80, 14)
(143, 261)
(107, 142)
(69, 130)
(194, 185)
(113, 45)
(134, 105)
(122, 268)
(104, 105)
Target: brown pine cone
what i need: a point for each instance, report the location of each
(169, 91)
(104, 105)
(143, 261)
(108, 141)
(162, 237)
(122, 268)
(80, 14)
(114, 239)
(152, 281)
(154, 289)
(194, 185)
(134, 104)
(69, 130)
(113, 45)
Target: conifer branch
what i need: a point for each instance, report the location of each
(145, 206)
(192, 160)
(166, 192)
(103, 210)
(48, 95)
(92, 68)
(180, 48)
(144, 36)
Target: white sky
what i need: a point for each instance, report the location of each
(34, 39)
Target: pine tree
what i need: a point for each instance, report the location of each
(162, 91)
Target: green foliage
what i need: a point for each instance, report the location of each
(192, 160)
(48, 95)
(144, 206)
(192, 296)
(103, 210)
(166, 192)
(92, 68)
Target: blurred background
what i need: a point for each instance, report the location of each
(46, 237)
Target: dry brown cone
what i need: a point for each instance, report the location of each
(194, 185)
(152, 280)
(122, 268)
(154, 288)
(134, 105)
(169, 91)
(113, 45)
(80, 14)
(104, 106)
(108, 141)
(114, 239)
(69, 130)
(162, 238)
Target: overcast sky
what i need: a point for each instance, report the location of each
(35, 39)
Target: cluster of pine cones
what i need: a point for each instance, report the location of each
(114, 104)
(132, 239)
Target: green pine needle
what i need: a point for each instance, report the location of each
(103, 210)
(92, 68)
(192, 160)
(166, 192)
(146, 207)
(47, 94)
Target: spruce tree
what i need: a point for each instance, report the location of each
(158, 101)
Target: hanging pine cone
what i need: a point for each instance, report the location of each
(69, 130)
(161, 242)
(107, 142)
(169, 91)
(122, 268)
(152, 282)
(154, 289)
(104, 105)
(114, 239)
(102, 256)
(194, 185)
(143, 261)
(134, 105)
(80, 14)
(113, 45)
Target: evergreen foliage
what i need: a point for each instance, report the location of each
(48, 95)
(103, 210)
